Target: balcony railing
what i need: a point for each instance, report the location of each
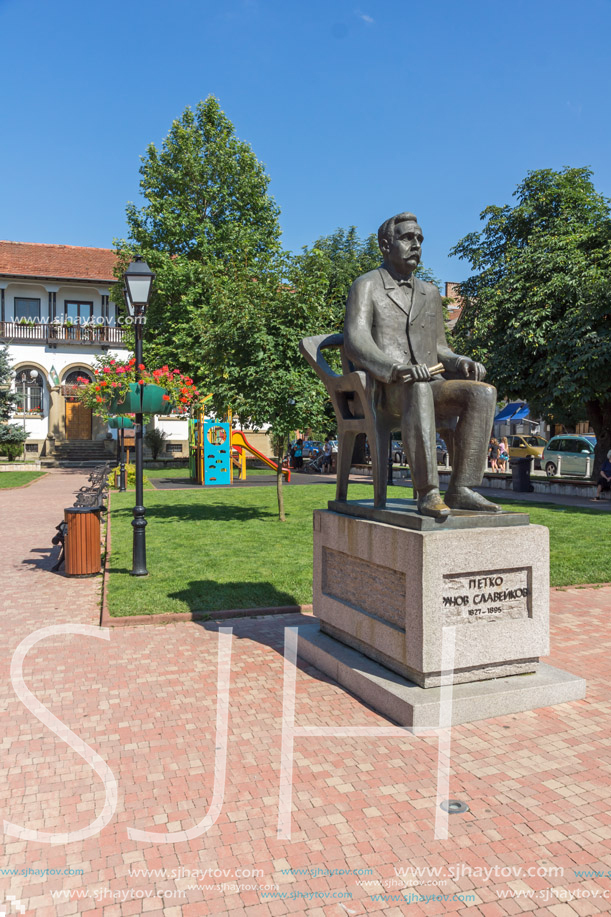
(52, 333)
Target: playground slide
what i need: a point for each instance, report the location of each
(239, 441)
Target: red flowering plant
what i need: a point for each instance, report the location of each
(114, 382)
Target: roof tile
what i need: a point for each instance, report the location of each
(57, 262)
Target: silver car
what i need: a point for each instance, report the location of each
(569, 454)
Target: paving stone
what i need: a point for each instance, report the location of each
(537, 784)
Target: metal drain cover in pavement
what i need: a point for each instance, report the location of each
(454, 806)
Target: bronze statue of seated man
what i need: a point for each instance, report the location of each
(394, 330)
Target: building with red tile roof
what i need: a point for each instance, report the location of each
(59, 262)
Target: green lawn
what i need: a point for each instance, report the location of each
(18, 478)
(213, 549)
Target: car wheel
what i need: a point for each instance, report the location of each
(397, 458)
(550, 470)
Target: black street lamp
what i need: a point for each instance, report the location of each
(138, 280)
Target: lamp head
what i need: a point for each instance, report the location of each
(138, 280)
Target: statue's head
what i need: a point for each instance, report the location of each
(400, 240)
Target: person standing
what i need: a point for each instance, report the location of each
(297, 455)
(494, 454)
(328, 456)
(604, 478)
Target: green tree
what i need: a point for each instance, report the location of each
(6, 375)
(206, 202)
(538, 308)
(250, 336)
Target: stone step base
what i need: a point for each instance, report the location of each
(409, 705)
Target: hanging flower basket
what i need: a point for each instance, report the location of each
(141, 399)
(124, 388)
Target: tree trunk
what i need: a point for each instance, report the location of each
(280, 491)
(599, 415)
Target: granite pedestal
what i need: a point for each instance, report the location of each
(391, 584)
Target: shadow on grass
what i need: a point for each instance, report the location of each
(203, 597)
(199, 512)
(210, 596)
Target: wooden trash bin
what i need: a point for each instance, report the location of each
(83, 549)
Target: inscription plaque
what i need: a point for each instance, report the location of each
(496, 595)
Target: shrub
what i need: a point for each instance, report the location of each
(155, 439)
(12, 438)
(113, 477)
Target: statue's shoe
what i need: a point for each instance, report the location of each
(465, 498)
(432, 504)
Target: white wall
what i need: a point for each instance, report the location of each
(64, 292)
(177, 430)
(63, 359)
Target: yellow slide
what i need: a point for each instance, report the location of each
(239, 441)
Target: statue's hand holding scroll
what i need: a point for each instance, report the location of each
(408, 372)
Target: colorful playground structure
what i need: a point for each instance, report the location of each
(215, 451)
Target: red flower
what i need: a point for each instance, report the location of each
(140, 381)
(165, 397)
(184, 400)
(99, 398)
(107, 369)
(141, 367)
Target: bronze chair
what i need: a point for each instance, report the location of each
(352, 398)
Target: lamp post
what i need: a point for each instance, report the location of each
(138, 282)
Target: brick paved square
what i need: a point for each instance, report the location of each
(363, 809)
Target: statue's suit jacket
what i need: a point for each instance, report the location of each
(386, 325)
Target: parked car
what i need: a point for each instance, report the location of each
(442, 451)
(571, 452)
(398, 455)
(525, 446)
(312, 448)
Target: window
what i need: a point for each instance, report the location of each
(73, 377)
(31, 447)
(77, 312)
(28, 390)
(173, 447)
(27, 309)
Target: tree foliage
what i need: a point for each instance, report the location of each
(538, 307)
(206, 205)
(250, 342)
(6, 376)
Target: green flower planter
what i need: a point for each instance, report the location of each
(120, 423)
(142, 399)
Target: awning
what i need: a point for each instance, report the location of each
(513, 413)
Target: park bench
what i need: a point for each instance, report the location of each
(90, 495)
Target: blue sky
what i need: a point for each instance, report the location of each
(358, 109)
